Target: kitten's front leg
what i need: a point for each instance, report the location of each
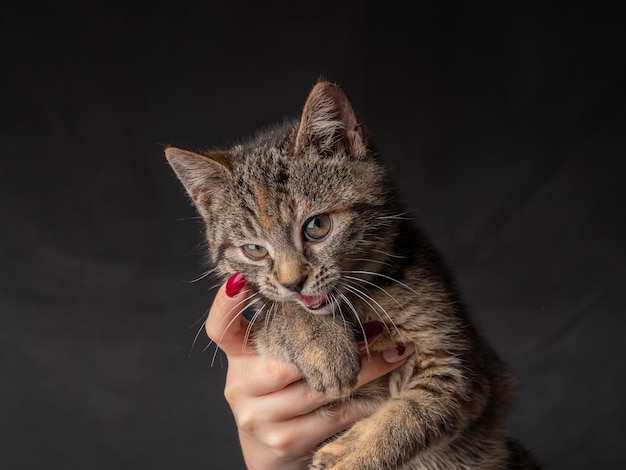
(322, 347)
(386, 439)
(427, 413)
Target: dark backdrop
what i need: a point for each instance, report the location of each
(503, 124)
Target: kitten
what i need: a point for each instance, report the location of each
(308, 213)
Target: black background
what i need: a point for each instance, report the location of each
(503, 123)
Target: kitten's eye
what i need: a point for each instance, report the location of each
(317, 227)
(255, 252)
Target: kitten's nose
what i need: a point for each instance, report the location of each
(294, 285)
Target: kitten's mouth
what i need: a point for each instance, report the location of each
(313, 302)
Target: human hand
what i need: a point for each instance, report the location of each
(276, 413)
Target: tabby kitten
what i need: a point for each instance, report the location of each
(308, 213)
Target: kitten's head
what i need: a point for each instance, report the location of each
(301, 209)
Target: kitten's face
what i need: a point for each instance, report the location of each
(301, 210)
(295, 226)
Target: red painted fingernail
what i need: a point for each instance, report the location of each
(399, 352)
(234, 284)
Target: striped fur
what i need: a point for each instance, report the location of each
(446, 407)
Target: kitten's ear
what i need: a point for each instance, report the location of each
(328, 122)
(202, 175)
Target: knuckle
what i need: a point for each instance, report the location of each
(282, 443)
(231, 392)
(234, 391)
(247, 421)
(277, 371)
(211, 330)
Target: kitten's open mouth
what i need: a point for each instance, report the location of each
(313, 302)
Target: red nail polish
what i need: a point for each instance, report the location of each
(234, 284)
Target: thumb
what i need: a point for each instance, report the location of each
(226, 325)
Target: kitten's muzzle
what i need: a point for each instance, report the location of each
(313, 302)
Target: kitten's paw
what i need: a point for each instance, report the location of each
(333, 456)
(335, 375)
(321, 347)
(357, 449)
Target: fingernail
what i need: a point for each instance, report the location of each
(368, 330)
(399, 352)
(234, 284)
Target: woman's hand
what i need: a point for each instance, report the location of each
(276, 413)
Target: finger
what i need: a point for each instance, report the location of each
(281, 393)
(294, 401)
(226, 325)
(319, 425)
(258, 375)
(378, 364)
(297, 436)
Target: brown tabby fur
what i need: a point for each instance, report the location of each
(446, 407)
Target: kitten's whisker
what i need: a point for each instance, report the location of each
(365, 281)
(195, 338)
(215, 286)
(384, 276)
(251, 325)
(396, 217)
(273, 316)
(356, 316)
(390, 255)
(336, 307)
(238, 304)
(248, 303)
(338, 304)
(369, 244)
(208, 345)
(269, 317)
(356, 293)
(369, 260)
(217, 348)
(201, 318)
(215, 351)
(203, 275)
(366, 298)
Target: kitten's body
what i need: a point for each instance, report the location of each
(308, 214)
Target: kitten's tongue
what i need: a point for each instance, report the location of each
(313, 301)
